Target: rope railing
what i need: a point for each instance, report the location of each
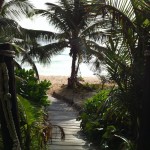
(5, 98)
(7, 53)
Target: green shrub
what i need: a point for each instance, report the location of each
(31, 123)
(29, 87)
(92, 104)
(106, 121)
(90, 115)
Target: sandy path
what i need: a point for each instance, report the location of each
(59, 81)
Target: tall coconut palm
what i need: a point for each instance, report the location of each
(132, 19)
(77, 30)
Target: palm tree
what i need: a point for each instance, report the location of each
(132, 19)
(77, 30)
(8, 12)
(11, 32)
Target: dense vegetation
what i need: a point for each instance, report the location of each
(31, 103)
(32, 98)
(114, 118)
(78, 31)
(119, 121)
(31, 88)
(107, 122)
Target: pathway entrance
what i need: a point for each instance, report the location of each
(60, 113)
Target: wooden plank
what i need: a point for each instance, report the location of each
(72, 121)
(65, 116)
(65, 147)
(69, 140)
(67, 136)
(73, 143)
(65, 124)
(68, 129)
(62, 112)
(61, 117)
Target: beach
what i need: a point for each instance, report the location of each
(58, 82)
(58, 72)
(76, 97)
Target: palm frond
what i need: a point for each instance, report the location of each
(94, 54)
(124, 15)
(123, 7)
(118, 62)
(38, 34)
(44, 53)
(100, 25)
(63, 3)
(98, 36)
(61, 15)
(27, 58)
(16, 8)
(96, 48)
(55, 18)
(8, 29)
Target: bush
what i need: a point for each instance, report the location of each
(90, 120)
(31, 123)
(106, 121)
(30, 88)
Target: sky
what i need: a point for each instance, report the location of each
(37, 23)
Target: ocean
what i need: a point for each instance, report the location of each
(60, 65)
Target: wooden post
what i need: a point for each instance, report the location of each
(144, 137)
(12, 90)
(1, 2)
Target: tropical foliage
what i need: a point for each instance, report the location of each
(77, 30)
(11, 11)
(35, 130)
(30, 88)
(124, 60)
(135, 26)
(10, 32)
(106, 121)
(113, 116)
(31, 123)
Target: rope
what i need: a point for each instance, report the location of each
(5, 97)
(7, 53)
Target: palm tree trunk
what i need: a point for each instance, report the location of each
(73, 78)
(144, 138)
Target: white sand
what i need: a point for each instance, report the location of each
(59, 81)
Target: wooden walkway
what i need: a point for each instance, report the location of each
(64, 115)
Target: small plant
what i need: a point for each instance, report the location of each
(29, 87)
(35, 130)
(105, 119)
(90, 119)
